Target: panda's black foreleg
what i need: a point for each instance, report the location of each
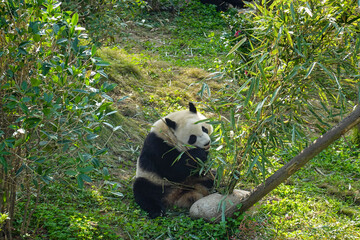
(176, 166)
(149, 197)
(198, 154)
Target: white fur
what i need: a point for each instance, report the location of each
(152, 177)
(187, 124)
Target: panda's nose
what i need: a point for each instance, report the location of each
(207, 144)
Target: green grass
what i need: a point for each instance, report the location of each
(303, 208)
(320, 201)
(190, 38)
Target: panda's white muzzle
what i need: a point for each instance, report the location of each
(207, 146)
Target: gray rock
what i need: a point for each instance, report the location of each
(212, 205)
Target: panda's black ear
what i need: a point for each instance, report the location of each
(170, 123)
(192, 107)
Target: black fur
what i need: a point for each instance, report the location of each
(162, 159)
(192, 108)
(170, 123)
(149, 197)
(167, 162)
(192, 139)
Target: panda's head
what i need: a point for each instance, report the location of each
(185, 127)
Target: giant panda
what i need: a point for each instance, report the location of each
(166, 171)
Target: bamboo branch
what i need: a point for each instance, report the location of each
(295, 164)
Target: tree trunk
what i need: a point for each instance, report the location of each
(295, 164)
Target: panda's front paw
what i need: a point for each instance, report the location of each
(153, 215)
(202, 154)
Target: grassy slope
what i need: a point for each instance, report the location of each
(155, 71)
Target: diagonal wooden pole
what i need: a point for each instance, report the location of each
(295, 164)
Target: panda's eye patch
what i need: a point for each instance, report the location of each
(192, 139)
(204, 129)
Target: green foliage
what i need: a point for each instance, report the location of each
(105, 19)
(53, 101)
(3, 218)
(356, 136)
(295, 70)
(79, 226)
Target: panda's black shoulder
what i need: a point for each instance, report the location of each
(153, 151)
(154, 142)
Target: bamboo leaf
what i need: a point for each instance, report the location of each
(237, 45)
(91, 136)
(322, 95)
(232, 119)
(249, 92)
(262, 71)
(75, 19)
(279, 34)
(244, 85)
(292, 12)
(223, 209)
(293, 134)
(327, 72)
(308, 11)
(259, 107)
(318, 118)
(293, 73)
(310, 69)
(274, 95)
(358, 91)
(288, 36)
(117, 194)
(252, 165)
(324, 30)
